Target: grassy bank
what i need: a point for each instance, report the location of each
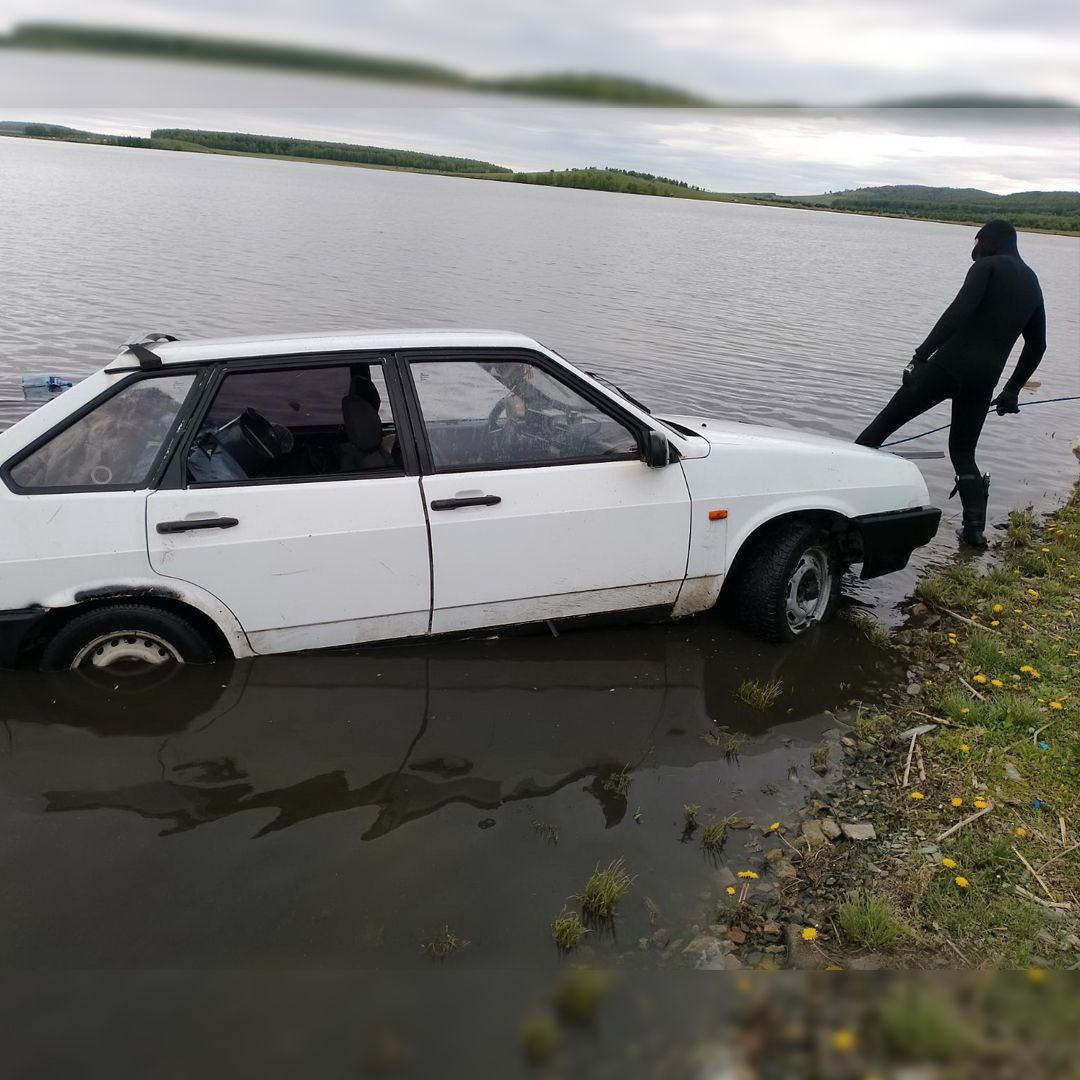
(977, 855)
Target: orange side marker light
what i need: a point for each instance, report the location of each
(717, 515)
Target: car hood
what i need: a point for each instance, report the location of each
(733, 433)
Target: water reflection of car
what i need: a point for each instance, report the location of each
(235, 498)
(399, 734)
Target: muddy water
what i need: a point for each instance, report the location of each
(786, 317)
(327, 812)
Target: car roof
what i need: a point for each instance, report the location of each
(194, 350)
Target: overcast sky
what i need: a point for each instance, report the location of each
(786, 151)
(816, 51)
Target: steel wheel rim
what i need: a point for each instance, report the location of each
(133, 649)
(809, 590)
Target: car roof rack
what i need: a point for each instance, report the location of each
(148, 359)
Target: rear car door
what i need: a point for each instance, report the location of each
(539, 502)
(296, 503)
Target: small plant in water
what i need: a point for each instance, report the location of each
(443, 944)
(639, 817)
(568, 930)
(690, 813)
(732, 745)
(716, 833)
(760, 695)
(618, 783)
(604, 889)
(546, 831)
(539, 1037)
(580, 994)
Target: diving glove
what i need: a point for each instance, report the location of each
(1006, 402)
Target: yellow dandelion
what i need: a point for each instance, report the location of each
(1018, 611)
(917, 795)
(1036, 975)
(1034, 593)
(730, 890)
(996, 683)
(964, 748)
(961, 882)
(949, 864)
(997, 609)
(980, 804)
(1045, 551)
(1056, 705)
(1021, 831)
(774, 826)
(750, 875)
(994, 622)
(1026, 669)
(957, 801)
(809, 934)
(980, 678)
(843, 1039)
(963, 711)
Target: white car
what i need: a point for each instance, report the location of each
(230, 498)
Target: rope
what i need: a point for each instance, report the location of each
(934, 431)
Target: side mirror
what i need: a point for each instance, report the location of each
(657, 450)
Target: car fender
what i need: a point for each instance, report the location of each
(135, 589)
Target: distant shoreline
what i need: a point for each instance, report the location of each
(578, 179)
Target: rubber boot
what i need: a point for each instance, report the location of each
(974, 493)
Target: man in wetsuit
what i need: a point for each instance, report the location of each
(963, 358)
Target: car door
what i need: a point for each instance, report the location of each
(297, 505)
(540, 505)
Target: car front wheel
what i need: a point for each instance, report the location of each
(126, 639)
(791, 582)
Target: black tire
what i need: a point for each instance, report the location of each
(164, 633)
(765, 579)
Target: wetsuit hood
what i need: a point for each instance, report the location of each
(994, 238)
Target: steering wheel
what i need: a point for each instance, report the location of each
(269, 440)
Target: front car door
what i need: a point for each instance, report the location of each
(297, 505)
(540, 505)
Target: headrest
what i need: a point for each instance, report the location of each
(361, 386)
(363, 428)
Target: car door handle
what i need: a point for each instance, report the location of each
(194, 524)
(471, 500)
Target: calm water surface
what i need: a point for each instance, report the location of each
(332, 811)
(785, 317)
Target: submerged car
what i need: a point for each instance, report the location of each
(230, 498)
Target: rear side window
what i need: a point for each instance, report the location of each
(114, 445)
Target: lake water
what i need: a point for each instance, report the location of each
(785, 317)
(333, 812)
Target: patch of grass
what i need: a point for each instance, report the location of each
(868, 626)
(731, 745)
(715, 834)
(539, 1037)
(568, 930)
(921, 1025)
(618, 783)
(605, 888)
(580, 994)
(1022, 527)
(690, 816)
(445, 943)
(546, 831)
(760, 695)
(871, 920)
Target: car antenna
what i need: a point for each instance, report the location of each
(148, 359)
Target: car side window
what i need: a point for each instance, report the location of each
(296, 423)
(483, 413)
(113, 445)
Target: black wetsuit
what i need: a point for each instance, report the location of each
(967, 351)
(964, 355)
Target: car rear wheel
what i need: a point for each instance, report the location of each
(791, 583)
(127, 640)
